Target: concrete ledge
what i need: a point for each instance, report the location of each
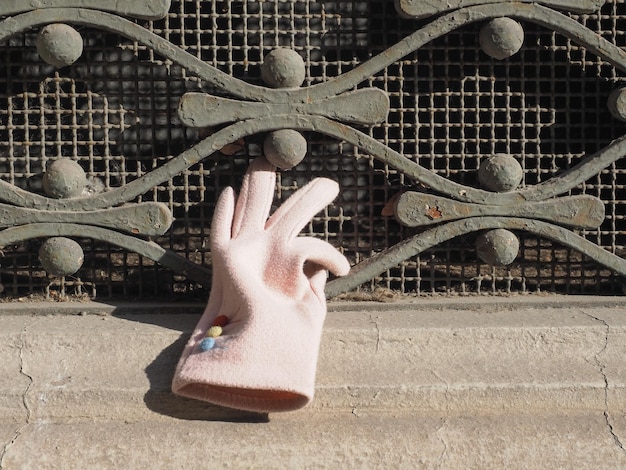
(435, 303)
(483, 361)
(323, 441)
(434, 378)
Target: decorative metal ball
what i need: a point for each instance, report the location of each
(283, 68)
(497, 247)
(285, 148)
(617, 103)
(500, 173)
(64, 178)
(501, 38)
(59, 45)
(61, 256)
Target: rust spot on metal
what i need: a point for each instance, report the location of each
(434, 212)
(234, 148)
(390, 208)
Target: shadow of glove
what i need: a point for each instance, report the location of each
(267, 295)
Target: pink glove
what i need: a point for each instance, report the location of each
(256, 345)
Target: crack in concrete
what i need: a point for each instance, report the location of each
(602, 367)
(444, 421)
(443, 442)
(378, 338)
(20, 430)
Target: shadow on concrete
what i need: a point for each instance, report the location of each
(177, 317)
(160, 398)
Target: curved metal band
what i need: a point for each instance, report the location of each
(150, 250)
(442, 26)
(144, 9)
(116, 24)
(413, 246)
(439, 27)
(560, 184)
(19, 197)
(553, 187)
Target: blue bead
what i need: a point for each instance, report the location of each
(207, 344)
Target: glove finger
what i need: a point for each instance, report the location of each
(314, 250)
(317, 277)
(221, 225)
(255, 198)
(291, 217)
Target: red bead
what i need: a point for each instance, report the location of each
(220, 321)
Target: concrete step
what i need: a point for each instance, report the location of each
(432, 384)
(325, 440)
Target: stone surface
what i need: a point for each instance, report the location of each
(472, 383)
(12, 382)
(327, 441)
(518, 359)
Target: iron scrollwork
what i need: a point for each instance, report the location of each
(446, 210)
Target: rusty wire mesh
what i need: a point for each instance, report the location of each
(114, 111)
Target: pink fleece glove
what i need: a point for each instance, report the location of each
(256, 345)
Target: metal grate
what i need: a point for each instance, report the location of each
(114, 112)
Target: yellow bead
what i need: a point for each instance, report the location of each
(214, 332)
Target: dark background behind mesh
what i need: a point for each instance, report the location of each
(114, 111)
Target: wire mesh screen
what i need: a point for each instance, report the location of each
(451, 106)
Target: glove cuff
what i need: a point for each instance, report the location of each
(265, 360)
